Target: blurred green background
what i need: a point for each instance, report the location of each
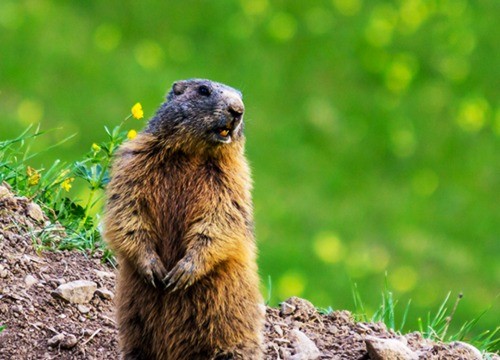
(373, 126)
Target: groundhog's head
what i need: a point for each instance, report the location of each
(200, 112)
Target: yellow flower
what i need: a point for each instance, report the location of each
(95, 147)
(66, 184)
(132, 134)
(33, 176)
(137, 111)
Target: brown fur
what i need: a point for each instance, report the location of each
(179, 217)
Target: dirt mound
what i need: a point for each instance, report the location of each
(58, 305)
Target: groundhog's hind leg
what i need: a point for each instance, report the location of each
(242, 352)
(133, 342)
(135, 354)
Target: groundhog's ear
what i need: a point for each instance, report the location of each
(179, 87)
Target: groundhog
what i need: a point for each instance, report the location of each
(179, 218)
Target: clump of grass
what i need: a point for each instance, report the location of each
(434, 327)
(50, 187)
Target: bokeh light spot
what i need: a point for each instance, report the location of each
(400, 73)
(328, 247)
(319, 20)
(321, 114)
(107, 37)
(463, 41)
(403, 279)
(455, 68)
(472, 114)
(347, 7)
(381, 25)
(359, 260)
(403, 142)
(413, 13)
(425, 182)
(30, 111)
(282, 27)
(254, 7)
(148, 54)
(291, 284)
(380, 258)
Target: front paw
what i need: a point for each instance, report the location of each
(152, 268)
(182, 275)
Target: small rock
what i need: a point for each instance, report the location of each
(35, 212)
(83, 309)
(105, 274)
(30, 280)
(305, 348)
(68, 342)
(302, 306)
(76, 292)
(278, 330)
(287, 309)
(17, 309)
(104, 293)
(388, 349)
(3, 272)
(55, 340)
(466, 350)
(4, 192)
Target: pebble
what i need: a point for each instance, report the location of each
(76, 292)
(83, 309)
(3, 272)
(287, 309)
(87, 332)
(105, 274)
(278, 330)
(472, 352)
(388, 349)
(305, 348)
(35, 212)
(65, 341)
(17, 308)
(69, 341)
(104, 293)
(55, 340)
(4, 192)
(30, 280)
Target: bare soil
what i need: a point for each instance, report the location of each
(41, 326)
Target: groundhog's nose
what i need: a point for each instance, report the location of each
(235, 107)
(236, 113)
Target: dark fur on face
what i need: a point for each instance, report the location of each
(198, 114)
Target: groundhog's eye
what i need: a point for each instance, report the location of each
(204, 90)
